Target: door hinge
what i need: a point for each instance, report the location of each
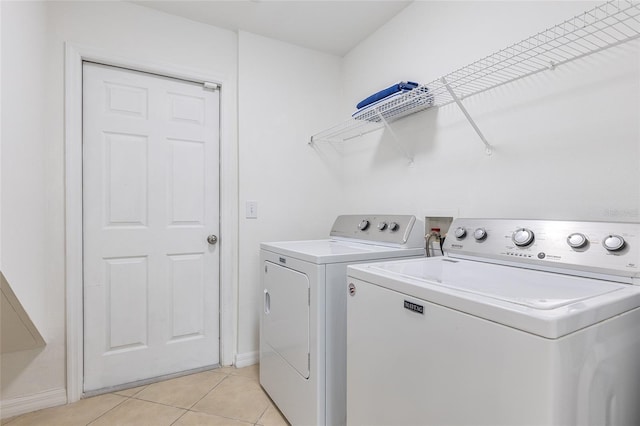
(211, 86)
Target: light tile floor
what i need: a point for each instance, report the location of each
(221, 397)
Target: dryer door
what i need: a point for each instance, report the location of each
(285, 317)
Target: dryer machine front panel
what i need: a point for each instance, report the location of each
(285, 315)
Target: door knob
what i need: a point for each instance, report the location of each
(212, 239)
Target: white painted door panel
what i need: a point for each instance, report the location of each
(150, 199)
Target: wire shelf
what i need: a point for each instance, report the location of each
(370, 119)
(597, 29)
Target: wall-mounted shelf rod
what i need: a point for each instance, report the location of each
(404, 151)
(466, 114)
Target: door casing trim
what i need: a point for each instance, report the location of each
(75, 55)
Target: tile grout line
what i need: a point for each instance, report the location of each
(227, 375)
(205, 395)
(179, 417)
(185, 410)
(159, 403)
(110, 409)
(137, 398)
(260, 416)
(189, 410)
(226, 417)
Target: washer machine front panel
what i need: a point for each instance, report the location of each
(523, 322)
(414, 362)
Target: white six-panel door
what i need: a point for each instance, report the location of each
(150, 199)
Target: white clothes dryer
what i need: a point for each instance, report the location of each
(523, 322)
(303, 323)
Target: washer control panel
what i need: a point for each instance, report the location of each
(597, 247)
(401, 230)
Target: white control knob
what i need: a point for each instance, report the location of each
(613, 242)
(577, 240)
(522, 237)
(393, 226)
(382, 226)
(363, 225)
(480, 234)
(460, 232)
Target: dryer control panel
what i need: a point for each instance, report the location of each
(584, 248)
(397, 230)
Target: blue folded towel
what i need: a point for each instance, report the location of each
(396, 105)
(403, 86)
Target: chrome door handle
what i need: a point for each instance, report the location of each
(212, 239)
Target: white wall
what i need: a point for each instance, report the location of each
(0, 143)
(33, 36)
(285, 93)
(25, 229)
(566, 141)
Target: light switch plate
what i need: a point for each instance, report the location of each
(251, 210)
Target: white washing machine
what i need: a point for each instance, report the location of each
(303, 323)
(523, 322)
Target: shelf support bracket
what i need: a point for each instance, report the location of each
(388, 127)
(488, 148)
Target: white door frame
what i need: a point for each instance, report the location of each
(74, 56)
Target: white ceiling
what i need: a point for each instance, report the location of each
(331, 26)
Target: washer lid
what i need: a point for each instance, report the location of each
(548, 304)
(531, 288)
(337, 251)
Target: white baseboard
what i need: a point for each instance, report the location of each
(246, 359)
(38, 401)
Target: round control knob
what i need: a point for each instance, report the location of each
(522, 237)
(363, 225)
(480, 234)
(613, 242)
(460, 232)
(382, 226)
(393, 226)
(577, 240)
